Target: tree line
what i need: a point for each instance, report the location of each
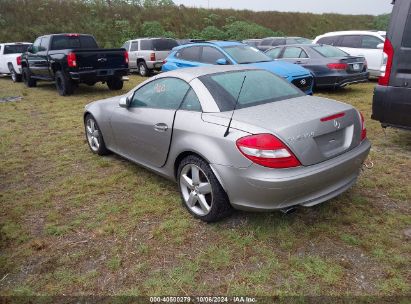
(114, 21)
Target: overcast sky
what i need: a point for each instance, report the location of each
(369, 7)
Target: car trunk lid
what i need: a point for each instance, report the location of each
(354, 64)
(315, 129)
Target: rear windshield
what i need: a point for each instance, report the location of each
(15, 48)
(259, 87)
(329, 51)
(246, 54)
(62, 42)
(158, 44)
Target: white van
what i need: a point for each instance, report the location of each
(368, 44)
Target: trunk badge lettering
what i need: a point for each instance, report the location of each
(337, 124)
(102, 59)
(302, 137)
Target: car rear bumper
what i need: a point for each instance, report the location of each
(154, 65)
(392, 106)
(262, 189)
(97, 75)
(341, 81)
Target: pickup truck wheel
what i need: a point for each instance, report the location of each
(64, 84)
(28, 81)
(143, 69)
(14, 76)
(115, 83)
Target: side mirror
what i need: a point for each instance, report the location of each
(380, 46)
(124, 102)
(221, 61)
(30, 49)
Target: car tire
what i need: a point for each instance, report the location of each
(115, 83)
(143, 69)
(26, 76)
(203, 196)
(14, 76)
(64, 84)
(94, 136)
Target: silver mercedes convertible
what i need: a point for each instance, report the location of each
(233, 138)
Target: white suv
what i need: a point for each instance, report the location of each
(368, 44)
(10, 58)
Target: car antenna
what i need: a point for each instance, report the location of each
(235, 107)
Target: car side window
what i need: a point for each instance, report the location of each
(370, 42)
(406, 38)
(294, 52)
(278, 42)
(211, 55)
(146, 45)
(331, 40)
(134, 46)
(274, 53)
(190, 53)
(36, 45)
(164, 93)
(44, 45)
(266, 42)
(351, 41)
(191, 102)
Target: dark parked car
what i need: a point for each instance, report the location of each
(253, 42)
(71, 59)
(330, 66)
(392, 101)
(269, 42)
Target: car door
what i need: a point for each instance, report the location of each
(132, 54)
(295, 55)
(37, 59)
(351, 44)
(142, 131)
(189, 57)
(210, 55)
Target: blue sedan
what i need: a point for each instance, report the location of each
(226, 53)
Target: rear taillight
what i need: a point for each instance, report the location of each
(164, 61)
(337, 66)
(18, 59)
(71, 60)
(363, 128)
(153, 57)
(389, 55)
(268, 151)
(126, 57)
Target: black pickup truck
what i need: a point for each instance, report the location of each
(71, 59)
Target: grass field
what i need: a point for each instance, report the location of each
(74, 223)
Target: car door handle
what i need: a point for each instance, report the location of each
(298, 62)
(161, 127)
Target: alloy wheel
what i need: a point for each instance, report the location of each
(196, 189)
(93, 134)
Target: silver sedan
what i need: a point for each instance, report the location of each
(233, 138)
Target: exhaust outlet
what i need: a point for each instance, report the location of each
(288, 211)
